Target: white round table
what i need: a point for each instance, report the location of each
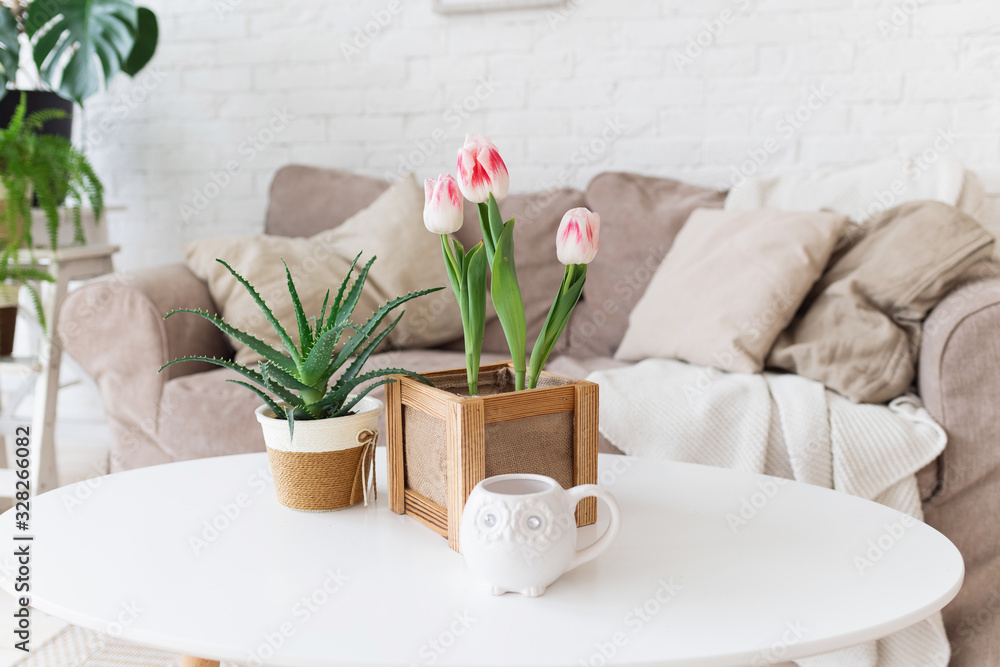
(712, 568)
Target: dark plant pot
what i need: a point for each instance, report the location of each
(8, 321)
(39, 100)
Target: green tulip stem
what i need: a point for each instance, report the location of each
(562, 307)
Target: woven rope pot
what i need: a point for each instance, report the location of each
(329, 464)
(441, 442)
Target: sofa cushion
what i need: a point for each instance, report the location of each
(862, 191)
(640, 216)
(409, 258)
(860, 331)
(538, 271)
(729, 285)
(305, 201)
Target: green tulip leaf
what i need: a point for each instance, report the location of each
(508, 302)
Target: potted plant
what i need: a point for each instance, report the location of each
(76, 46)
(503, 418)
(319, 423)
(13, 277)
(49, 169)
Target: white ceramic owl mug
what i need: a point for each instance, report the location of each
(518, 532)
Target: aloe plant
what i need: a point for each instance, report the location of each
(296, 382)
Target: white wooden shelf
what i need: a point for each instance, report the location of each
(23, 364)
(64, 264)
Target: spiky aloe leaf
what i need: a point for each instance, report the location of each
(322, 313)
(346, 309)
(266, 310)
(335, 399)
(305, 333)
(282, 377)
(363, 332)
(362, 357)
(343, 288)
(252, 342)
(346, 409)
(278, 411)
(316, 367)
(248, 373)
(276, 388)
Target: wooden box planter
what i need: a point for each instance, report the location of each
(441, 442)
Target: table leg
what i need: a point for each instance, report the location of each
(188, 661)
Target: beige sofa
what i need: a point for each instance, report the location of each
(114, 328)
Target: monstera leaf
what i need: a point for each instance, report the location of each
(81, 40)
(147, 33)
(9, 49)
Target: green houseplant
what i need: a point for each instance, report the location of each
(76, 45)
(322, 459)
(49, 169)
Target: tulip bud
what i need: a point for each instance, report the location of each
(576, 240)
(443, 205)
(481, 170)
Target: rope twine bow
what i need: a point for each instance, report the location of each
(366, 464)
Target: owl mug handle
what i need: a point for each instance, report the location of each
(578, 493)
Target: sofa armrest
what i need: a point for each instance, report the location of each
(959, 382)
(113, 327)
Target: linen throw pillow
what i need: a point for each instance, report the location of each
(729, 285)
(391, 228)
(860, 333)
(640, 217)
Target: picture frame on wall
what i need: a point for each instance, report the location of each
(467, 6)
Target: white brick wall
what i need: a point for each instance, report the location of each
(896, 73)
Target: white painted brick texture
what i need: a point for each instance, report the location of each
(379, 86)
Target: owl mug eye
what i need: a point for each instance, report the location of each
(491, 520)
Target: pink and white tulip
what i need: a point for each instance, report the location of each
(577, 238)
(443, 205)
(481, 170)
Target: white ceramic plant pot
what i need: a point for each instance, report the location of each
(519, 532)
(328, 464)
